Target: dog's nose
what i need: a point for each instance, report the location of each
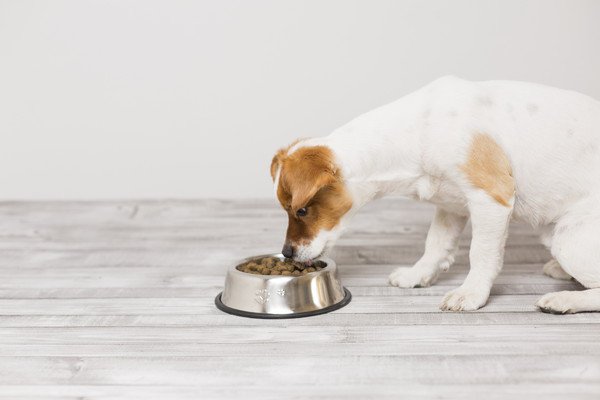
(287, 251)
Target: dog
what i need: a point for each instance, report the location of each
(490, 151)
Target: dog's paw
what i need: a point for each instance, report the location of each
(553, 269)
(565, 302)
(464, 299)
(405, 277)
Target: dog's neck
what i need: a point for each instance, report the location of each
(381, 181)
(380, 153)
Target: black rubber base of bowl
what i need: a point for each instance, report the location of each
(247, 314)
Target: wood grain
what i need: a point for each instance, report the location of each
(114, 300)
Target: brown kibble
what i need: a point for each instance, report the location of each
(276, 266)
(270, 262)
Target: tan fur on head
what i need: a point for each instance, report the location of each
(310, 178)
(488, 168)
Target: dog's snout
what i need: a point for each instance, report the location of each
(287, 251)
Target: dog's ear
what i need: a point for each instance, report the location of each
(276, 162)
(279, 157)
(306, 172)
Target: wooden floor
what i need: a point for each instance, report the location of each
(114, 300)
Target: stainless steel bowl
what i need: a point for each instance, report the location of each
(277, 296)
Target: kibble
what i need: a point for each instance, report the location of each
(277, 266)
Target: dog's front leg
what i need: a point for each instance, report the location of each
(489, 223)
(440, 247)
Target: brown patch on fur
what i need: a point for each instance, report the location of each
(309, 178)
(488, 168)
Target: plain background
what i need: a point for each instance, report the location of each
(184, 99)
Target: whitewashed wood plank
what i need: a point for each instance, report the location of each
(331, 319)
(218, 269)
(397, 348)
(172, 279)
(299, 371)
(391, 391)
(204, 290)
(149, 306)
(298, 334)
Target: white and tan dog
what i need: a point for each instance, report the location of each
(490, 151)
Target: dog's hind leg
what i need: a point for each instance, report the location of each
(570, 301)
(576, 247)
(552, 268)
(440, 247)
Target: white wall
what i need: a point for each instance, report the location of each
(119, 99)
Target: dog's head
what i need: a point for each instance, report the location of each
(311, 190)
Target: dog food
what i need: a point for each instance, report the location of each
(276, 266)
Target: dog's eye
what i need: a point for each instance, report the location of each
(301, 212)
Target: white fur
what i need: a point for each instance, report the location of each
(276, 179)
(324, 240)
(415, 145)
(553, 269)
(440, 248)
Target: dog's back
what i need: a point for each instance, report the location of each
(551, 136)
